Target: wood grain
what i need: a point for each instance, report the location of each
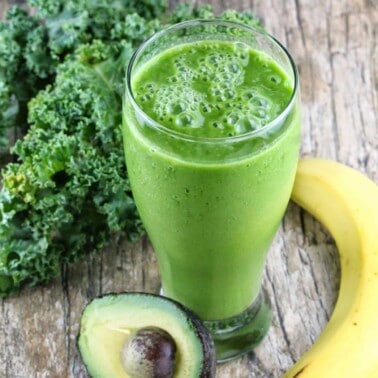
(335, 44)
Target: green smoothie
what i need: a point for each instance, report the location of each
(210, 171)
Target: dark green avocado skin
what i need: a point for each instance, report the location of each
(208, 349)
(209, 364)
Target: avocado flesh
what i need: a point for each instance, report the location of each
(108, 321)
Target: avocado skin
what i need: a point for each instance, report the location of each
(209, 361)
(208, 368)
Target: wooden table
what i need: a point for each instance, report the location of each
(335, 44)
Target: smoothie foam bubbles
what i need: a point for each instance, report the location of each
(218, 90)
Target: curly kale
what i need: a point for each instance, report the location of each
(25, 67)
(68, 192)
(32, 46)
(74, 22)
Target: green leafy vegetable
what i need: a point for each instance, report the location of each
(61, 77)
(25, 67)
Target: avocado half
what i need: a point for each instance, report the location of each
(109, 321)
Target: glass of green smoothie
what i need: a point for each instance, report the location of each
(211, 133)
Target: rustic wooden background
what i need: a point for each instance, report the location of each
(335, 43)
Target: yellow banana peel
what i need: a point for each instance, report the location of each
(346, 202)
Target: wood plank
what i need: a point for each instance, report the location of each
(336, 48)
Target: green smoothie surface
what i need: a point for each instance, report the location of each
(212, 89)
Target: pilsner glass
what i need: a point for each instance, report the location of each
(211, 155)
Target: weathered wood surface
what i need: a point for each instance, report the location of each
(335, 44)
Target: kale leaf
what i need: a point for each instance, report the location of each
(25, 67)
(32, 46)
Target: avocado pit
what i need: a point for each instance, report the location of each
(150, 352)
(140, 335)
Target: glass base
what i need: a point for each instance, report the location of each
(240, 334)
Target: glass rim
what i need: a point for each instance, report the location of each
(181, 135)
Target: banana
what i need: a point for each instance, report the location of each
(346, 203)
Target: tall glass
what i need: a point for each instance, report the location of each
(212, 203)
